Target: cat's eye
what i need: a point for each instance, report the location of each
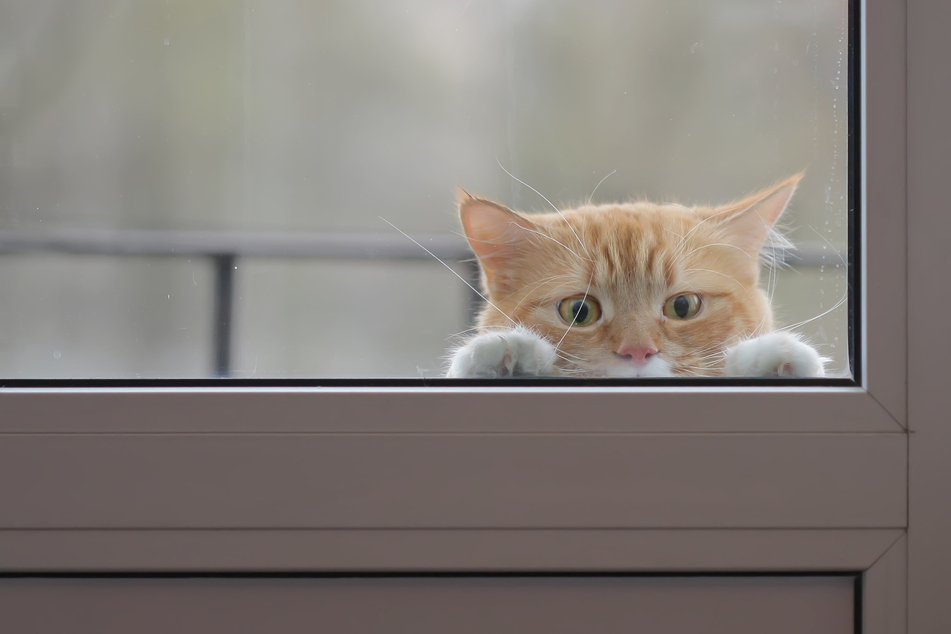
(579, 311)
(683, 306)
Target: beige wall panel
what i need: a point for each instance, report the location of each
(883, 202)
(418, 481)
(885, 592)
(929, 263)
(644, 550)
(817, 605)
(713, 409)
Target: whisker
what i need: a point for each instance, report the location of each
(677, 205)
(599, 185)
(572, 355)
(730, 277)
(567, 360)
(718, 244)
(547, 201)
(545, 235)
(535, 285)
(464, 281)
(552, 293)
(674, 232)
(571, 359)
(834, 250)
(706, 220)
(590, 279)
(711, 217)
(573, 372)
(803, 323)
(772, 281)
(462, 333)
(689, 371)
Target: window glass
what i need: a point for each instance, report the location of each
(220, 188)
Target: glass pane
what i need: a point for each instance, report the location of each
(348, 319)
(102, 316)
(193, 189)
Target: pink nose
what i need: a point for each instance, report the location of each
(637, 354)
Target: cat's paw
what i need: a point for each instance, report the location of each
(777, 354)
(504, 353)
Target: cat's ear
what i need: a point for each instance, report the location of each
(494, 232)
(750, 220)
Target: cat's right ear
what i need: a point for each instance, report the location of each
(495, 232)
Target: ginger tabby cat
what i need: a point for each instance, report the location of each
(629, 290)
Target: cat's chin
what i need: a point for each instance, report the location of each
(655, 368)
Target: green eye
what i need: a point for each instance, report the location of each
(683, 306)
(579, 311)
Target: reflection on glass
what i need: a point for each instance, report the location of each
(197, 189)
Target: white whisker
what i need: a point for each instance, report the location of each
(718, 244)
(803, 323)
(674, 232)
(590, 279)
(533, 286)
(729, 277)
(547, 201)
(599, 185)
(678, 205)
(706, 220)
(464, 281)
(573, 356)
(462, 333)
(550, 294)
(834, 250)
(545, 235)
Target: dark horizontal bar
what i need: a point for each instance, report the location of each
(335, 246)
(436, 381)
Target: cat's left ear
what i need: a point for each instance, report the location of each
(495, 233)
(749, 221)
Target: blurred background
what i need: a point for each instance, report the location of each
(193, 188)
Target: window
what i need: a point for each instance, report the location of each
(477, 478)
(198, 191)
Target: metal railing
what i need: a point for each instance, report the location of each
(223, 250)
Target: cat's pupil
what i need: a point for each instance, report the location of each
(681, 306)
(580, 310)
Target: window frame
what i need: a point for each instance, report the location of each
(491, 478)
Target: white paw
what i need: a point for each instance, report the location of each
(776, 354)
(503, 353)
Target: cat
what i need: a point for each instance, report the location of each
(629, 290)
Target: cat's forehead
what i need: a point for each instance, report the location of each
(632, 245)
(644, 217)
(627, 225)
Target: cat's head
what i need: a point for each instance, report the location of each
(636, 289)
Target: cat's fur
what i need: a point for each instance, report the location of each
(630, 260)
